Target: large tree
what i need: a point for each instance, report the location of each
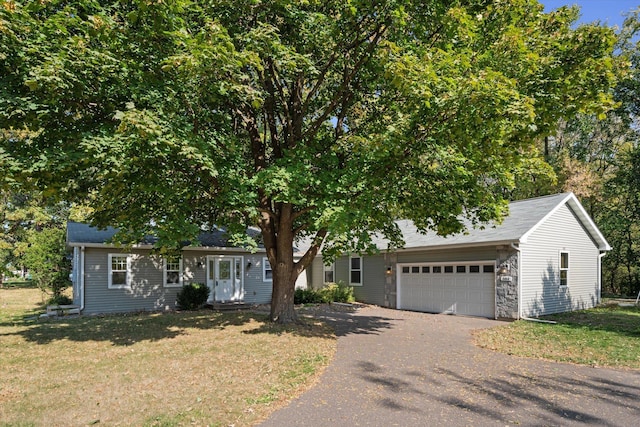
(318, 120)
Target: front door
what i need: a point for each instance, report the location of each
(224, 278)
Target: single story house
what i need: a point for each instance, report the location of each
(544, 258)
(108, 278)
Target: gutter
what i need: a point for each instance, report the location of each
(600, 256)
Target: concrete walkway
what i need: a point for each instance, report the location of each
(408, 369)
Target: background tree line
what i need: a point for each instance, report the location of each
(598, 159)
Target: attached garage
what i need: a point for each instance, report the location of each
(453, 288)
(543, 258)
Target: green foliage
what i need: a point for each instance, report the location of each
(308, 296)
(192, 296)
(59, 300)
(46, 258)
(332, 292)
(321, 120)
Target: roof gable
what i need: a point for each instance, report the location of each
(525, 216)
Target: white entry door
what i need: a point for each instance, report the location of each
(224, 278)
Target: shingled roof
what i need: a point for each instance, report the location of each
(80, 234)
(524, 217)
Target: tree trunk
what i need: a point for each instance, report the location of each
(282, 304)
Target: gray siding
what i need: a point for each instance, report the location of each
(147, 292)
(315, 273)
(373, 280)
(372, 290)
(541, 290)
(256, 291)
(448, 255)
(377, 286)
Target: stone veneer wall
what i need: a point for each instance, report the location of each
(507, 292)
(391, 287)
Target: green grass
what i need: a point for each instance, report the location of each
(607, 336)
(188, 368)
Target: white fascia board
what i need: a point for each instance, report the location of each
(453, 246)
(603, 245)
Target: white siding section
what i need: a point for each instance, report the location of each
(540, 267)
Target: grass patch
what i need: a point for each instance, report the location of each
(607, 336)
(189, 368)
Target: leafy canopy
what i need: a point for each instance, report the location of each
(324, 119)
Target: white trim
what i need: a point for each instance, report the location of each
(440, 247)
(265, 262)
(361, 270)
(128, 271)
(180, 274)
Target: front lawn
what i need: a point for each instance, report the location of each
(607, 336)
(189, 368)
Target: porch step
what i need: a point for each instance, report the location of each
(228, 306)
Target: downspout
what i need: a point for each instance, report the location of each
(517, 248)
(600, 256)
(81, 284)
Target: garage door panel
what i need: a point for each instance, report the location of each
(466, 290)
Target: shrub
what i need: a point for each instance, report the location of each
(192, 296)
(338, 292)
(60, 300)
(307, 296)
(332, 292)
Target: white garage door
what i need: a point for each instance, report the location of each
(457, 288)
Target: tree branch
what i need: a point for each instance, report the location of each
(339, 95)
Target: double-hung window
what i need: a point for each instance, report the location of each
(172, 272)
(119, 274)
(355, 271)
(564, 268)
(267, 272)
(329, 273)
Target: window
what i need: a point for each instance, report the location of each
(267, 272)
(564, 268)
(425, 269)
(405, 269)
(415, 269)
(355, 270)
(487, 269)
(474, 269)
(119, 275)
(329, 273)
(437, 269)
(448, 268)
(461, 268)
(172, 272)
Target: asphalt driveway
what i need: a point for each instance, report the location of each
(408, 369)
